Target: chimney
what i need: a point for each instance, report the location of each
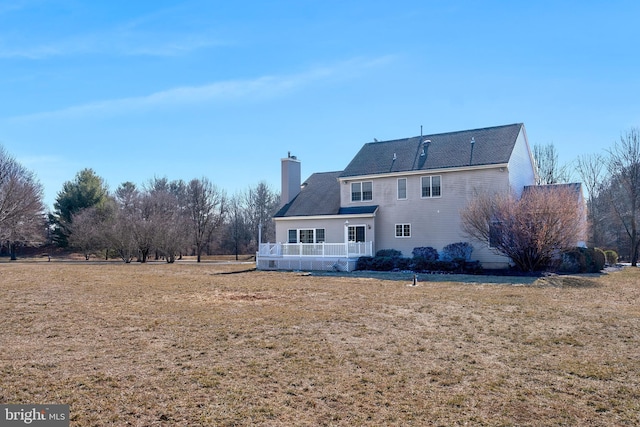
(290, 179)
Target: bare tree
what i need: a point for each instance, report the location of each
(168, 214)
(206, 207)
(22, 219)
(88, 232)
(238, 234)
(549, 169)
(261, 204)
(624, 190)
(529, 230)
(591, 168)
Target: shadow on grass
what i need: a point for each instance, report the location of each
(542, 280)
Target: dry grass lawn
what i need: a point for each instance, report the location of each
(187, 345)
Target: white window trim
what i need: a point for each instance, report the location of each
(431, 196)
(354, 227)
(361, 192)
(314, 233)
(405, 189)
(395, 230)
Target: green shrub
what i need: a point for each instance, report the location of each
(402, 264)
(582, 260)
(389, 253)
(472, 267)
(611, 257)
(428, 253)
(364, 263)
(599, 260)
(459, 250)
(383, 263)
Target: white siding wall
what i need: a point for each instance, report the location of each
(434, 221)
(334, 228)
(521, 169)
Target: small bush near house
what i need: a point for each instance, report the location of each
(385, 260)
(425, 259)
(383, 263)
(582, 260)
(428, 253)
(599, 260)
(389, 253)
(364, 263)
(459, 250)
(611, 257)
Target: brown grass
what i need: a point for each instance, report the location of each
(185, 345)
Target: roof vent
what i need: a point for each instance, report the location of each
(425, 142)
(394, 156)
(473, 140)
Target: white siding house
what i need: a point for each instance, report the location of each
(397, 194)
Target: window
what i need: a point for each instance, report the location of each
(431, 186)
(402, 188)
(403, 230)
(356, 233)
(495, 233)
(361, 191)
(306, 235)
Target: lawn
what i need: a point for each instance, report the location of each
(190, 345)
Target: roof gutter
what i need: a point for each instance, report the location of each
(321, 217)
(423, 172)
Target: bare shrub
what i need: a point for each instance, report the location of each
(532, 229)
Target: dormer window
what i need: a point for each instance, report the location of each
(361, 191)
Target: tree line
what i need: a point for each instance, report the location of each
(163, 219)
(167, 219)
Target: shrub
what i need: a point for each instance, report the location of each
(402, 264)
(611, 257)
(390, 253)
(428, 253)
(364, 263)
(573, 261)
(382, 263)
(459, 250)
(472, 267)
(598, 259)
(582, 260)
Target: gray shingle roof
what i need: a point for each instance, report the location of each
(491, 145)
(320, 195)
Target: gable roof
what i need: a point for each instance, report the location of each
(319, 195)
(492, 145)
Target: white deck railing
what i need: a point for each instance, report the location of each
(349, 250)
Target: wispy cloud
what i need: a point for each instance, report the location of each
(264, 87)
(124, 43)
(161, 32)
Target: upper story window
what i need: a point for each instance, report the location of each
(402, 188)
(431, 186)
(361, 191)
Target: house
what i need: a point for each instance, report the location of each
(397, 194)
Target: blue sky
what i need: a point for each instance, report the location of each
(186, 89)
